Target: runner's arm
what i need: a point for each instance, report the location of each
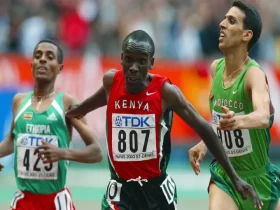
(257, 88)
(92, 152)
(7, 145)
(89, 154)
(97, 100)
(201, 145)
(175, 100)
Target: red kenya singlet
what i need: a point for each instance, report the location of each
(136, 130)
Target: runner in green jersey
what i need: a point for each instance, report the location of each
(242, 115)
(40, 136)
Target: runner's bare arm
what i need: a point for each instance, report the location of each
(213, 68)
(7, 145)
(197, 152)
(212, 73)
(91, 153)
(257, 89)
(97, 100)
(175, 100)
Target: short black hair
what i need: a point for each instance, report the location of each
(59, 50)
(140, 35)
(252, 21)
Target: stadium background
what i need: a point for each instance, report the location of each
(90, 32)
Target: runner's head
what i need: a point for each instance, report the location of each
(47, 60)
(242, 26)
(137, 56)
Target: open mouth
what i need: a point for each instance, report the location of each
(42, 72)
(132, 79)
(222, 34)
(42, 69)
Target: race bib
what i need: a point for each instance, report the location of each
(133, 137)
(236, 143)
(113, 191)
(29, 165)
(168, 188)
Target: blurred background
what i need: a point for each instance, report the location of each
(91, 32)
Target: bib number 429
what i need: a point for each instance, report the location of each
(29, 154)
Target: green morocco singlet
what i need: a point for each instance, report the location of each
(30, 128)
(247, 148)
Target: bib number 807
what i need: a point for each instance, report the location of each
(132, 137)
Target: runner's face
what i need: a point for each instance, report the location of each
(232, 32)
(45, 64)
(136, 62)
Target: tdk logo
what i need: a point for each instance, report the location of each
(35, 140)
(216, 117)
(127, 121)
(133, 120)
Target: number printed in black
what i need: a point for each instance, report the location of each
(239, 141)
(26, 162)
(35, 167)
(133, 141)
(219, 134)
(147, 134)
(112, 190)
(26, 159)
(168, 189)
(228, 141)
(122, 144)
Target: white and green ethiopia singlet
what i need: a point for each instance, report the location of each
(30, 128)
(247, 148)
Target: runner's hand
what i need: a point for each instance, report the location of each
(74, 112)
(244, 189)
(196, 155)
(49, 153)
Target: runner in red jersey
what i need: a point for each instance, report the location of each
(136, 129)
(139, 118)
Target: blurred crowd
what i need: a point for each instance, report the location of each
(182, 29)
